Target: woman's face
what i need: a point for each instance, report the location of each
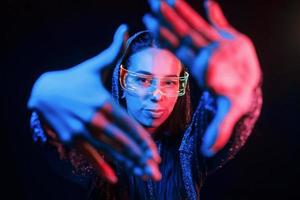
(152, 109)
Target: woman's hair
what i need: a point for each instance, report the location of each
(181, 114)
(171, 186)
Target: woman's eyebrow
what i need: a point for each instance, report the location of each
(143, 72)
(149, 73)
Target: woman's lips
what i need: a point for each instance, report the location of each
(153, 113)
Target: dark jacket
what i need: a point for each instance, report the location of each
(194, 166)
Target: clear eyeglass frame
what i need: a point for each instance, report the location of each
(143, 84)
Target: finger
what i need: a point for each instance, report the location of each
(180, 26)
(102, 167)
(70, 127)
(215, 15)
(38, 103)
(183, 51)
(151, 24)
(115, 48)
(186, 55)
(108, 56)
(148, 169)
(108, 150)
(123, 143)
(194, 19)
(201, 63)
(214, 130)
(226, 127)
(133, 128)
(160, 31)
(155, 5)
(106, 138)
(153, 170)
(55, 121)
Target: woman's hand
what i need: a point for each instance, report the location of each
(219, 57)
(75, 104)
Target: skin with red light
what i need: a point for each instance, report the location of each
(152, 110)
(226, 62)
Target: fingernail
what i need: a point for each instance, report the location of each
(143, 160)
(206, 151)
(147, 170)
(124, 27)
(156, 175)
(157, 158)
(151, 23)
(137, 171)
(112, 178)
(155, 5)
(149, 153)
(154, 170)
(110, 175)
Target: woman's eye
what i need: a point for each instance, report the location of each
(142, 80)
(170, 82)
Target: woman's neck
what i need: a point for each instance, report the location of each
(151, 130)
(155, 133)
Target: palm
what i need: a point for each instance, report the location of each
(236, 62)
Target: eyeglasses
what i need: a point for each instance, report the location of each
(144, 84)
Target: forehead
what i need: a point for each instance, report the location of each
(156, 61)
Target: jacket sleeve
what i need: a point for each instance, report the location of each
(203, 115)
(65, 161)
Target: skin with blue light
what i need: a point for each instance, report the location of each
(72, 100)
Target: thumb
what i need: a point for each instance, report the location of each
(214, 130)
(113, 51)
(215, 14)
(201, 63)
(109, 55)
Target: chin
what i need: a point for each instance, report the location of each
(154, 124)
(151, 126)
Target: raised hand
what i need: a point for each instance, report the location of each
(219, 57)
(75, 105)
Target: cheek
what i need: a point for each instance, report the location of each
(133, 103)
(170, 103)
(134, 108)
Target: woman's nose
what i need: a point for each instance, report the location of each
(156, 95)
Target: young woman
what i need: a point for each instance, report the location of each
(152, 84)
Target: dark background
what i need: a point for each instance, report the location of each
(54, 34)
